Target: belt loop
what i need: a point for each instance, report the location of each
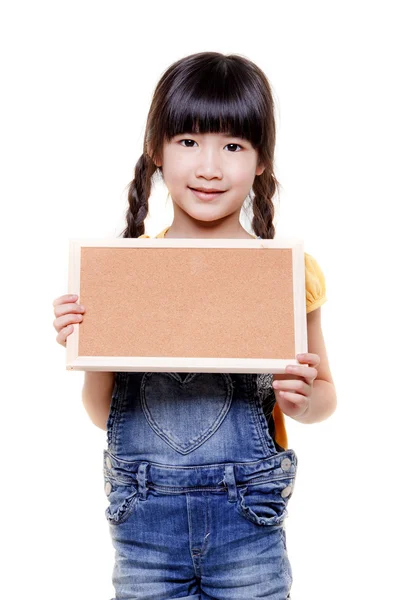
(229, 479)
(141, 477)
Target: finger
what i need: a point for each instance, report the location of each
(291, 404)
(307, 373)
(63, 309)
(64, 333)
(309, 358)
(298, 386)
(66, 320)
(65, 298)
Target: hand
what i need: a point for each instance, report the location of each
(67, 311)
(294, 388)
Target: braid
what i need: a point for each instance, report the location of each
(264, 188)
(138, 197)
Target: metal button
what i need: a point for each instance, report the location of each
(286, 464)
(108, 462)
(286, 491)
(108, 488)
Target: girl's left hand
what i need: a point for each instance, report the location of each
(294, 388)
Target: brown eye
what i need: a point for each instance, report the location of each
(187, 140)
(234, 145)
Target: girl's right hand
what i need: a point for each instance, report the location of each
(67, 311)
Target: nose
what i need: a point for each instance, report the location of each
(208, 164)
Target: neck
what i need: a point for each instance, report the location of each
(207, 231)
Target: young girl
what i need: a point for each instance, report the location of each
(197, 469)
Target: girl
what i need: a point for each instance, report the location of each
(197, 469)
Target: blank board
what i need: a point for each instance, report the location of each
(188, 305)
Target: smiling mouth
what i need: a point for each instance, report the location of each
(207, 191)
(206, 195)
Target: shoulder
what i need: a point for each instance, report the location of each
(315, 283)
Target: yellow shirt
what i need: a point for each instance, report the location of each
(315, 297)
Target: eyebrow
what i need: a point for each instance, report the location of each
(224, 135)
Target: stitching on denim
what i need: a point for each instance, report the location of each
(252, 516)
(195, 442)
(184, 490)
(118, 480)
(124, 510)
(120, 399)
(111, 416)
(177, 376)
(188, 512)
(258, 414)
(218, 418)
(290, 453)
(206, 541)
(264, 425)
(248, 484)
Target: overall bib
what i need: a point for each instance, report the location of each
(197, 488)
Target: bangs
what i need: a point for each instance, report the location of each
(218, 99)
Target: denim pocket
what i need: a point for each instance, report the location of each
(265, 503)
(122, 499)
(185, 409)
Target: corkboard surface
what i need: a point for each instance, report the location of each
(187, 302)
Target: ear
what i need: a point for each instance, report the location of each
(149, 154)
(260, 169)
(156, 162)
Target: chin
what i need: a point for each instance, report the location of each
(206, 216)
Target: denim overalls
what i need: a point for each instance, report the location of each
(197, 487)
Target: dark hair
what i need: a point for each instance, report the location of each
(209, 92)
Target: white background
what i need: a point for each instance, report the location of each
(77, 80)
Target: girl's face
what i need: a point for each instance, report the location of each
(210, 161)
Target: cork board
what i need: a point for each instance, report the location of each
(188, 305)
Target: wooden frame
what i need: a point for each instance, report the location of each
(188, 305)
